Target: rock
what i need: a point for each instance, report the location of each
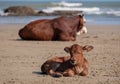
(19, 10)
(59, 13)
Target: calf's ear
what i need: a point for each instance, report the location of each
(87, 48)
(67, 49)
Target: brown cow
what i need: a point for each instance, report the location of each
(62, 28)
(75, 64)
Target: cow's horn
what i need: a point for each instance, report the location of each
(81, 14)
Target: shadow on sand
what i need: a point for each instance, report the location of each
(38, 73)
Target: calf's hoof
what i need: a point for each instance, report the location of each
(57, 75)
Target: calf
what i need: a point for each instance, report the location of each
(75, 64)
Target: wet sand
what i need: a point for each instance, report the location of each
(20, 60)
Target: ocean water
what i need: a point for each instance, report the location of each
(96, 12)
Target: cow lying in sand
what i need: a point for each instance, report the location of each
(75, 64)
(61, 29)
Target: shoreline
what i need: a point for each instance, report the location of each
(88, 24)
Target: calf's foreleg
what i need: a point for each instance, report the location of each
(68, 73)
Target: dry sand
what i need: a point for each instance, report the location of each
(20, 60)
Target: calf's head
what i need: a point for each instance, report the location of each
(76, 52)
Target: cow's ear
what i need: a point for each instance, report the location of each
(67, 49)
(87, 48)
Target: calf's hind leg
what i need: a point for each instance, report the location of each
(55, 74)
(52, 70)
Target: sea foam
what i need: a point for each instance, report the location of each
(66, 4)
(2, 13)
(52, 9)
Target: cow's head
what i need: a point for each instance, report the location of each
(81, 27)
(76, 52)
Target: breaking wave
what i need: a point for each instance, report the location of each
(66, 4)
(108, 12)
(2, 13)
(52, 9)
(92, 10)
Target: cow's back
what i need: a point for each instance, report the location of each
(37, 30)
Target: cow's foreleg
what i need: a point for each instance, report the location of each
(67, 37)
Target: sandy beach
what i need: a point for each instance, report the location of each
(20, 60)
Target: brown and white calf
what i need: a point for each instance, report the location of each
(75, 64)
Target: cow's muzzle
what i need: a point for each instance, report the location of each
(82, 31)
